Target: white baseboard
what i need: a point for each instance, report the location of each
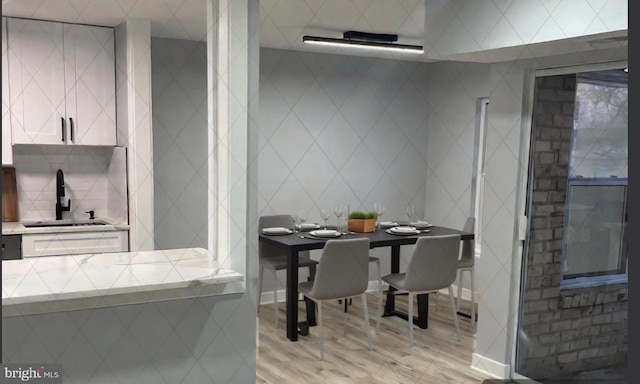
(466, 293)
(490, 367)
(267, 297)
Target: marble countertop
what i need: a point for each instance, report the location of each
(62, 283)
(17, 228)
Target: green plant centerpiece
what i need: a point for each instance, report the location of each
(362, 222)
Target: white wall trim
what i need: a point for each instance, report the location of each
(490, 367)
(565, 70)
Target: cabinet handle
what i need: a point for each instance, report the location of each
(63, 128)
(71, 120)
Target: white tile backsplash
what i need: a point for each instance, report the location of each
(85, 172)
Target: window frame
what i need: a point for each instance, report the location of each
(603, 277)
(572, 281)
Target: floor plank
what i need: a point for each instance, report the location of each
(436, 357)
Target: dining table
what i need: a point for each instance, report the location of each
(292, 244)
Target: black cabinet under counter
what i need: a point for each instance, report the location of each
(11, 247)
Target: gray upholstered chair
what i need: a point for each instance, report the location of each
(274, 259)
(343, 272)
(432, 266)
(466, 263)
(375, 260)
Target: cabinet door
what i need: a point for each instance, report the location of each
(7, 154)
(36, 81)
(90, 84)
(74, 243)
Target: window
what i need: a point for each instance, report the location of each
(594, 248)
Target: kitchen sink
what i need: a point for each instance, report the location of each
(63, 223)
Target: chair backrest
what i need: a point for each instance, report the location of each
(468, 246)
(433, 264)
(286, 221)
(343, 269)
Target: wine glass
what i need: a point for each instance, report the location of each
(379, 209)
(294, 216)
(325, 213)
(302, 215)
(409, 211)
(338, 210)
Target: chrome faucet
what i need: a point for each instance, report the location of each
(60, 194)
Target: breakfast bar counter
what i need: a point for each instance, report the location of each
(72, 282)
(164, 316)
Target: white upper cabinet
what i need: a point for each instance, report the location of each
(90, 84)
(62, 83)
(7, 154)
(36, 81)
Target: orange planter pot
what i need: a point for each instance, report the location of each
(362, 225)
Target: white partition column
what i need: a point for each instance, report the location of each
(133, 110)
(232, 55)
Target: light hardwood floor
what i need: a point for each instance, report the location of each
(436, 357)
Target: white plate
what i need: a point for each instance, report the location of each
(325, 233)
(388, 224)
(276, 231)
(403, 231)
(308, 226)
(421, 224)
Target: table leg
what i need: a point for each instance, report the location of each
(389, 306)
(423, 311)
(292, 295)
(311, 312)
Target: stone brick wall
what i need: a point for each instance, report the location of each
(570, 330)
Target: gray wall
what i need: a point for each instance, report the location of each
(454, 89)
(341, 130)
(453, 93)
(179, 75)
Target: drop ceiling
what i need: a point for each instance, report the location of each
(284, 22)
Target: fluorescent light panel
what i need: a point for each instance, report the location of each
(328, 41)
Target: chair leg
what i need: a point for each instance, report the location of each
(379, 297)
(410, 319)
(473, 300)
(275, 295)
(344, 316)
(312, 272)
(260, 286)
(365, 310)
(320, 329)
(453, 312)
(459, 289)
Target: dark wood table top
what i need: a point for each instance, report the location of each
(379, 238)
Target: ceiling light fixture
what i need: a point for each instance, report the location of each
(364, 40)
